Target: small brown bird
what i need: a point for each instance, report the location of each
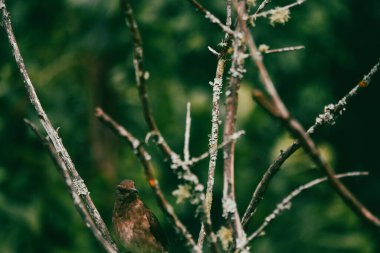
(135, 226)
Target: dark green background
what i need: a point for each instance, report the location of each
(78, 54)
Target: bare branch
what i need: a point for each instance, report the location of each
(213, 142)
(61, 167)
(282, 50)
(203, 156)
(142, 76)
(331, 112)
(276, 107)
(52, 134)
(213, 19)
(261, 7)
(285, 204)
(177, 164)
(264, 75)
(186, 153)
(267, 13)
(236, 72)
(213, 150)
(180, 168)
(338, 110)
(145, 160)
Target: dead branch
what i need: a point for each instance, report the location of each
(285, 204)
(55, 140)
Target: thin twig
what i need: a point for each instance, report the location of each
(142, 76)
(285, 204)
(264, 75)
(284, 49)
(186, 153)
(52, 134)
(261, 6)
(328, 117)
(145, 160)
(61, 167)
(213, 19)
(232, 138)
(203, 156)
(267, 13)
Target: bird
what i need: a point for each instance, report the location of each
(134, 224)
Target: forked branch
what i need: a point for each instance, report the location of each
(145, 160)
(303, 139)
(285, 204)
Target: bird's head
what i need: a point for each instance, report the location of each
(126, 190)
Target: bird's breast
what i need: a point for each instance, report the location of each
(133, 230)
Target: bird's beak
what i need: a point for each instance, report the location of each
(134, 190)
(124, 190)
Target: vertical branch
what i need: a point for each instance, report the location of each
(229, 202)
(213, 141)
(217, 85)
(213, 145)
(142, 76)
(52, 133)
(186, 153)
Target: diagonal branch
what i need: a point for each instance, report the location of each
(180, 168)
(232, 138)
(265, 78)
(52, 134)
(145, 160)
(261, 7)
(277, 108)
(336, 110)
(286, 202)
(142, 76)
(213, 18)
(331, 112)
(270, 12)
(61, 167)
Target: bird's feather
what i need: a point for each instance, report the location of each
(155, 228)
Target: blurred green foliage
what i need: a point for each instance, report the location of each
(78, 54)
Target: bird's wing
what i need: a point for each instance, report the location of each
(155, 229)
